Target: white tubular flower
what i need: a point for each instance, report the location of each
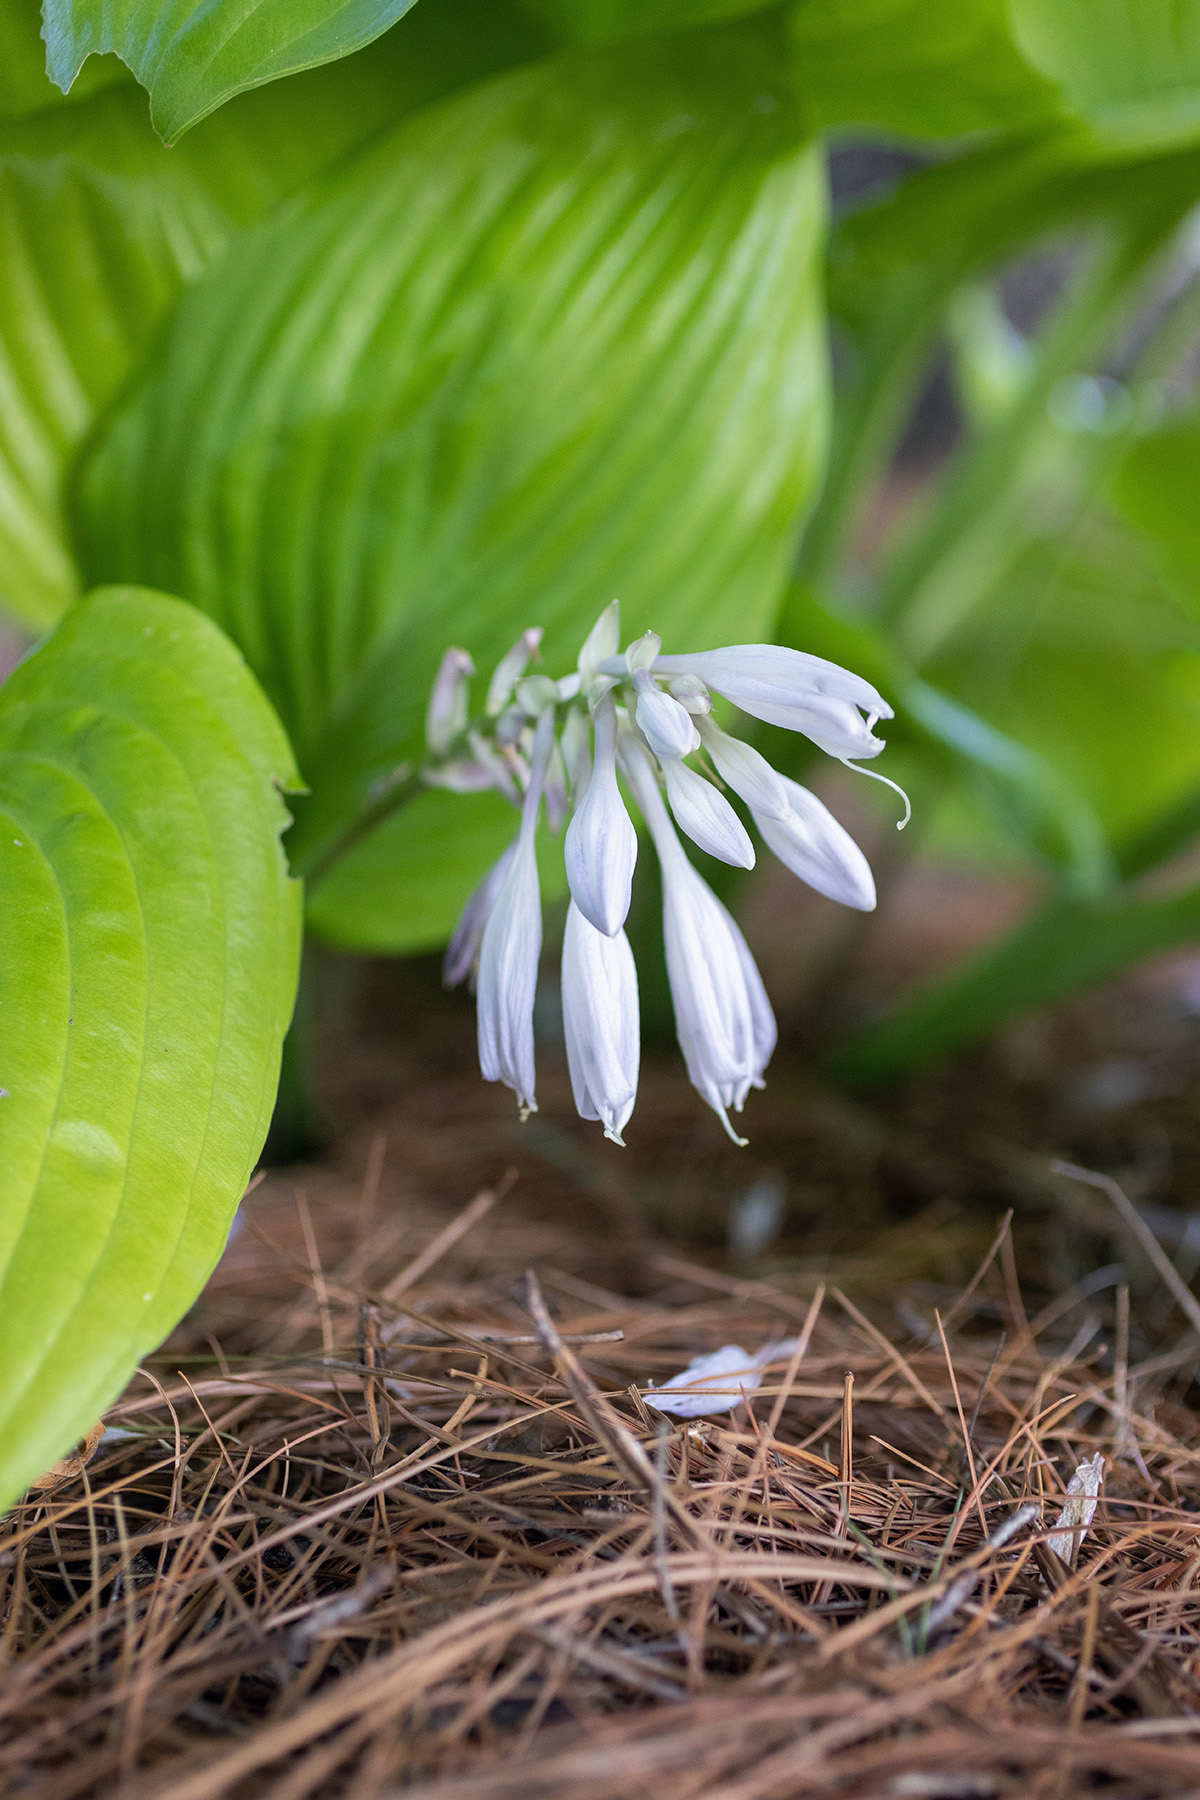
(812, 844)
(706, 816)
(666, 725)
(511, 946)
(790, 688)
(600, 1022)
(462, 953)
(601, 844)
(447, 712)
(509, 669)
(722, 1016)
(747, 773)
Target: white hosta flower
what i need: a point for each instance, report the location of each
(723, 1018)
(812, 844)
(706, 816)
(601, 843)
(600, 1022)
(511, 946)
(509, 669)
(462, 953)
(790, 688)
(747, 773)
(446, 714)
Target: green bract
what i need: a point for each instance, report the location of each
(150, 952)
(555, 339)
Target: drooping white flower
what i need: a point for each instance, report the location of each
(511, 946)
(723, 1018)
(812, 844)
(747, 773)
(601, 844)
(600, 1022)
(462, 952)
(790, 688)
(706, 816)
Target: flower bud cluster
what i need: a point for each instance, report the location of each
(639, 723)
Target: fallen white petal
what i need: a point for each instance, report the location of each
(1071, 1525)
(729, 1375)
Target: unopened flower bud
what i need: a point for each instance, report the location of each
(447, 712)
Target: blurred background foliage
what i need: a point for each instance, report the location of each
(864, 325)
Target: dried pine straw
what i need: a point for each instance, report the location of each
(390, 1517)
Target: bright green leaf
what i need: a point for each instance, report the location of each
(557, 339)
(151, 944)
(192, 57)
(100, 227)
(1130, 67)
(24, 85)
(922, 67)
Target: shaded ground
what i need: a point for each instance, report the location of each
(378, 1522)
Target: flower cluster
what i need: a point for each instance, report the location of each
(640, 716)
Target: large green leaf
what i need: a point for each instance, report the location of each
(1131, 67)
(150, 952)
(24, 85)
(100, 227)
(922, 67)
(555, 340)
(191, 57)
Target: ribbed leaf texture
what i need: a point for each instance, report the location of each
(554, 340)
(101, 228)
(150, 952)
